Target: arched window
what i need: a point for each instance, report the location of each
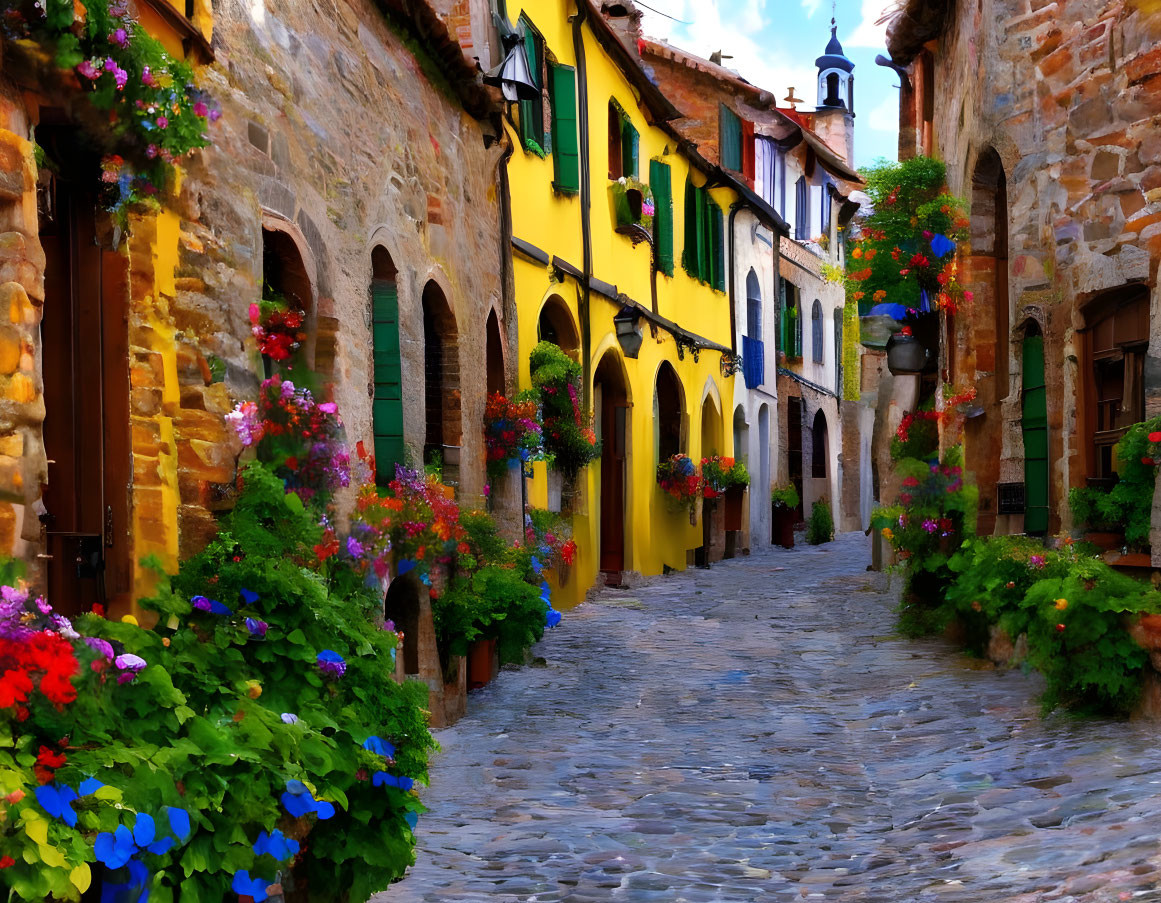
(790, 328)
(556, 325)
(820, 449)
(387, 402)
(441, 383)
(753, 307)
(495, 356)
(816, 332)
(669, 411)
(286, 284)
(741, 435)
(989, 259)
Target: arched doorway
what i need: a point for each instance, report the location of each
(794, 412)
(495, 359)
(286, 284)
(1034, 423)
(387, 403)
(611, 403)
(441, 373)
(820, 447)
(401, 606)
(668, 412)
(711, 427)
(556, 325)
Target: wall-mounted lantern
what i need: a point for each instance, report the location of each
(628, 325)
(512, 76)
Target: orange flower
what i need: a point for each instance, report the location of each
(857, 253)
(879, 295)
(871, 252)
(858, 296)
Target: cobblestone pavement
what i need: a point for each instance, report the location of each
(755, 732)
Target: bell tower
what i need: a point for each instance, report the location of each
(834, 117)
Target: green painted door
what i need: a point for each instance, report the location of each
(1035, 425)
(387, 405)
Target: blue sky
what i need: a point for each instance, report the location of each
(775, 43)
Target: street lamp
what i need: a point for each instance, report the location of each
(628, 324)
(512, 76)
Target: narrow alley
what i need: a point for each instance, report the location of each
(757, 732)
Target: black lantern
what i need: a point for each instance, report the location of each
(513, 76)
(628, 325)
(906, 354)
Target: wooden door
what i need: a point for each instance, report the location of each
(794, 450)
(86, 395)
(614, 423)
(1035, 426)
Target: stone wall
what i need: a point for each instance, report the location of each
(1068, 103)
(339, 132)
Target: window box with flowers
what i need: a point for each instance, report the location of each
(678, 478)
(633, 205)
(728, 478)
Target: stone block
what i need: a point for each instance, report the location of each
(1143, 67)
(1105, 166)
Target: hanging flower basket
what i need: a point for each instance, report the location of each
(632, 204)
(679, 478)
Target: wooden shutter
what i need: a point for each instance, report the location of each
(717, 246)
(689, 251)
(748, 167)
(816, 340)
(565, 148)
(798, 332)
(1035, 427)
(387, 405)
(532, 111)
(616, 156)
(730, 135)
(630, 150)
(659, 182)
(703, 236)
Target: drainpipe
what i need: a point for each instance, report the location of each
(582, 80)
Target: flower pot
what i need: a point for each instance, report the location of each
(480, 655)
(906, 354)
(783, 524)
(734, 496)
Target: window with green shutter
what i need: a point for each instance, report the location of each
(565, 146)
(730, 136)
(689, 251)
(387, 404)
(532, 111)
(717, 246)
(630, 150)
(660, 184)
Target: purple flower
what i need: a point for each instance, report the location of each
(120, 37)
(328, 407)
(201, 603)
(147, 78)
(215, 115)
(289, 718)
(44, 607)
(129, 664)
(389, 625)
(88, 70)
(929, 525)
(151, 152)
(162, 122)
(100, 646)
(256, 627)
(1036, 561)
(354, 547)
(110, 64)
(331, 664)
(121, 77)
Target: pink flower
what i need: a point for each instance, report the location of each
(120, 37)
(200, 109)
(1036, 561)
(121, 77)
(328, 407)
(215, 115)
(151, 151)
(88, 70)
(110, 64)
(162, 122)
(147, 78)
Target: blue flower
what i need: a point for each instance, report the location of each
(379, 747)
(89, 786)
(299, 801)
(252, 887)
(289, 718)
(249, 597)
(257, 627)
(331, 664)
(552, 618)
(941, 245)
(277, 845)
(537, 567)
(178, 822)
(58, 802)
(404, 566)
(145, 835)
(384, 779)
(213, 606)
(115, 849)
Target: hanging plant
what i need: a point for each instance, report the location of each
(720, 474)
(569, 438)
(678, 477)
(512, 431)
(156, 115)
(277, 326)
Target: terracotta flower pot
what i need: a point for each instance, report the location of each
(783, 522)
(480, 654)
(734, 496)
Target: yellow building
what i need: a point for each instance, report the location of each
(595, 276)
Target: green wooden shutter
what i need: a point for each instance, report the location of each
(798, 331)
(387, 405)
(689, 252)
(1035, 427)
(565, 147)
(717, 247)
(532, 111)
(730, 134)
(630, 150)
(780, 333)
(659, 182)
(703, 235)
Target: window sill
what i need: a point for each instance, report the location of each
(566, 192)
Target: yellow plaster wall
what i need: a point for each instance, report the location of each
(655, 534)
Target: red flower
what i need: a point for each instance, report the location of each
(14, 687)
(7, 862)
(50, 759)
(1155, 437)
(911, 481)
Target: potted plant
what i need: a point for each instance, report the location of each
(632, 203)
(729, 478)
(784, 502)
(678, 478)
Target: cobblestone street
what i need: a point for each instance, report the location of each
(756, 732)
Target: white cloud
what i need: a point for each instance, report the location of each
(867, 33)
(811, 7)
(735, 27)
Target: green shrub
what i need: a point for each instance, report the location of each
(820, 528)
(1128, 505)
(494, 603)
(785, 496)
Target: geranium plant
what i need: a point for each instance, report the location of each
(156, 112)
(720, 474)
(569, 438)
(277, 326)
(678, 477)
(512, 431)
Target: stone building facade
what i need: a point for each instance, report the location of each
(357, 155)
(1054, 145)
